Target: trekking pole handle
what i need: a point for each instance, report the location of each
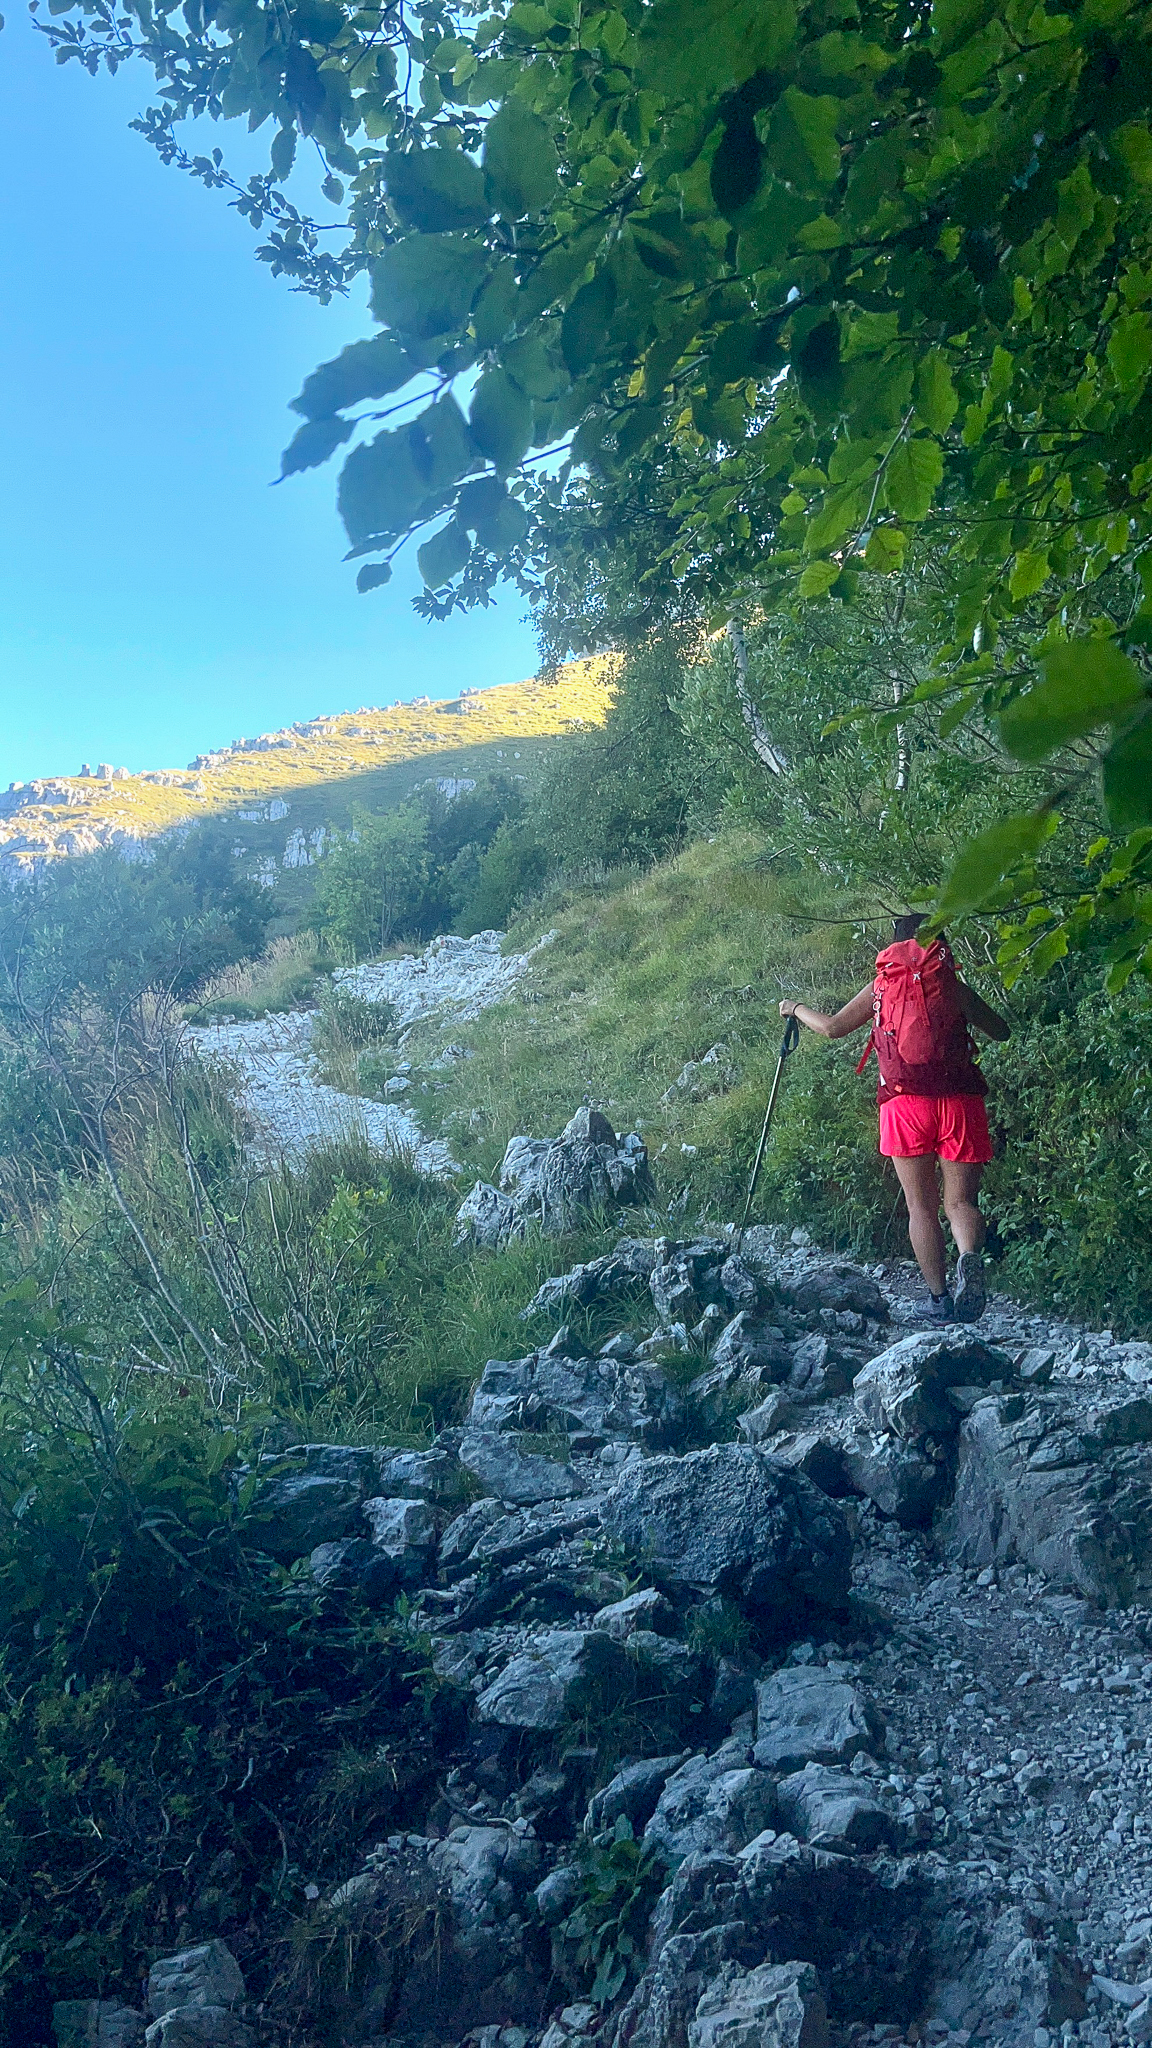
(791, 1038)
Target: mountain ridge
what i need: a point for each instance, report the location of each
(255, 779)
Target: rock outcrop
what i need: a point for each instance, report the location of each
(794, 1674)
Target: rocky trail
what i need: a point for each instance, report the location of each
(800, 1658)
(271, 1062)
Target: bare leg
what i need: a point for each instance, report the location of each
(922, 1194)
(961, 1199)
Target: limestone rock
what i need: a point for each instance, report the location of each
(600, 1397)
(805, 1715)
(486, 1871)
(433, 1475)
(207, 1975)
(520, 1478)
(96, 2023)
(294, 1511)
(552, 1677)
(1035, 1485)
(489, 1219)
(647, 1610)
(623, 1272)
(833, 1810)
(403, 1534)
(905, 1484)
(835, 1285)
(903, 1389)
(777, 2005)
(633, 1793)
(728, 1520)
(712, 1804)
(753, 1345)
(199, 2026)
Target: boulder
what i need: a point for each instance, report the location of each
(728, 1520)
(1012, 1984)
(199, 2026)
(820, 1369)
(403, 1536)
(557, 1894)
(462, 1534)
(554, 1676)
(1036, 1485)
(519, 1478)
(96, 2023)
(712, 1804)
(709, 1075)
(663, 2005)
(833, 1810)
(489, 1219)
(811, 1452)
(354, 1565)
(715, 1398)
(207, 1975)
(837, 1286)
(775, 1413)
(904, 1389)
(777, 2005)
(904, 1483)
(434, 1475)
(620, 1273)
(647, 1610)
(747, 1341)
(600, 1397)
(294, 1511)
(554, 1184)
(806, 1715)
(633, 1793)
(486, 1872)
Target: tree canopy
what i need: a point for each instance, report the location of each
(773, 296)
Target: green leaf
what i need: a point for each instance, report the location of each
(584, 329)
(500, 419)
(986, 860)
(840, 513)
(1029, 571)
(885, 550)
(912, 476)
(813, 118)
(385, 486)
(936, 399)
(444, 555)
(520, 162)
(692, 49)
(1085, 684)
(282, 154)
(315, 441)
(442, 448)
(1130, 348)
(424, 286)
(534, 365)
(498, 521)
(1127, 776)
(436, 189)
(372, 575)
(365, 369)
(818, 579)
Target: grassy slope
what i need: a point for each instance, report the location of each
(362, 757)
(648, 973)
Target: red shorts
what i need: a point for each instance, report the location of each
(951, 1126)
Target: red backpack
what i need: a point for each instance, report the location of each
(919, 1032)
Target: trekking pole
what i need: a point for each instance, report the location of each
(788, 1043)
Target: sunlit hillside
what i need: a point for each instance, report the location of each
(300, 778)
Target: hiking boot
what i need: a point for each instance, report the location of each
(939, 1308)
(970, 1295)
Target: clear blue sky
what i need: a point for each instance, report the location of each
(156, 597)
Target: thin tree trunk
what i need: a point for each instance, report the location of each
(765, 747)
(903, 751)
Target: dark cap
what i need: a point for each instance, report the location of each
(907, 927)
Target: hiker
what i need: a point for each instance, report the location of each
(931, 1098)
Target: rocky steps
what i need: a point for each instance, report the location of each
(846, 1622)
